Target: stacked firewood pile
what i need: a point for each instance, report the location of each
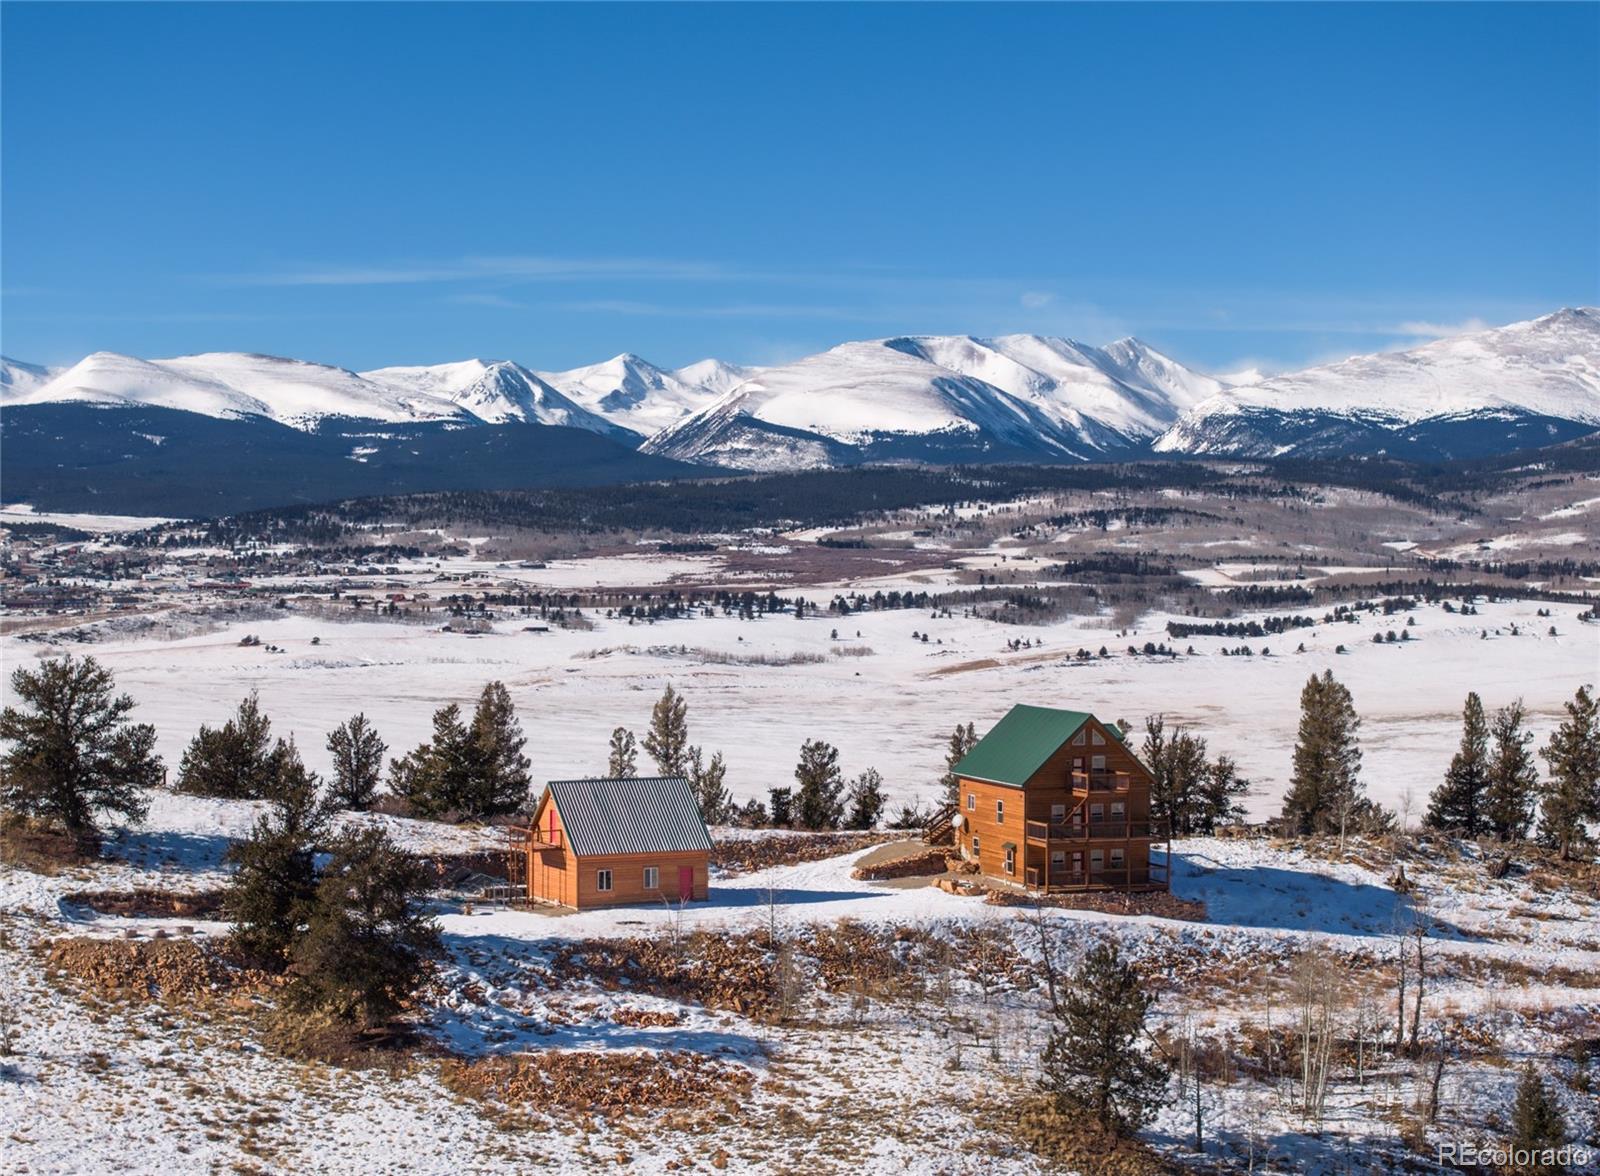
(166, 969)
(611, 1082)
(788, 849)
(932, 861)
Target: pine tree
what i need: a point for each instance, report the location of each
(72, 752)
(1572, 795)
(1536, 1120)
(667, 741)
(357, 753)
(1325, 790)
(820, 785)
(432, 778)
(269, 896)
(1458, 802)
(1513, 778)
(1220, 793)
(234, 761)
(624, 759)
(1093, 1062)
(706, 779)
(866, 800)
(1179, 766)
(962, 741)
(780, 803)
(367, 940)
(499, 777)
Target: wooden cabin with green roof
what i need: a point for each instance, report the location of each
(1055, 800)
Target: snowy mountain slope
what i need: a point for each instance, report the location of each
(496, 393)
(633, 392)
(17, 377)
(872, 398)
(1112, 396)
(715, 375)
(231, 385)
(1497, 386)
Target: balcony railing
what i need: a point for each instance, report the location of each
(1093, 830)
(524, 839)
(1102, 781)
(1111, 879)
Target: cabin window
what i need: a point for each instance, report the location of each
(1058, 860)
(652, 878)
(1098, 763)
(1116, 859)
(1058, 812)
(1098, 739)
(1011, 859)
(602, 880)
(1000, 812)
(1078, 739)
(1119, 811)
(974, 845)
(972, 802)
(1097, 860)
(1097, 812)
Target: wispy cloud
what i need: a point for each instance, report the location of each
(470, 269)
(1427, 330)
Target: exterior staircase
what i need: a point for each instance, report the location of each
(941, 828)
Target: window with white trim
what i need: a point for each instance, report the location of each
(602, 880)
(1116, 859)
(1097, 762)
(1011, 859)
(1097, 739)
(652, 878)
(1119, 811)
(1078, 739)
(1097, 859)
(972, 802)
(1000, 811)
(1097, 812)
(974, 845)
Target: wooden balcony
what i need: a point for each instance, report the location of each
(1152, 877)
(1102, 781)
(525, 840)
(1045, 832)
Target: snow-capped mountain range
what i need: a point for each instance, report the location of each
(928, 398)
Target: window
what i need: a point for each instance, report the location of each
(652, 878)
(1058, 860)
(1097, 762)
(1058, 813)
(1119, 811)
(1097, 812)
(1011, 859)
(1078, 739)
(1000, 812)
(1098, 739)
(602, 880)
(974, 845)
(1116, 859)
(972, 802)
(1097, 860)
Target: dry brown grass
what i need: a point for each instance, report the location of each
(42, 848)
(604, 1083)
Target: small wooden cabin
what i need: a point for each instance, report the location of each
(609, 842)
(1054, 800)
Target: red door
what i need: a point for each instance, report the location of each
(685, 882)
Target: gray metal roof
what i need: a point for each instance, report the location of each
(644, 814)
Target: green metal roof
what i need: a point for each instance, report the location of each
(1017, 746)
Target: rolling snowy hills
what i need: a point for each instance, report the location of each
(1530, 383)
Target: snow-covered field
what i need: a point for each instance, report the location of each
(891, 708)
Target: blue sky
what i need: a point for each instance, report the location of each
(368, 184)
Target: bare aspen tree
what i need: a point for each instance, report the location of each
(1419, 931)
